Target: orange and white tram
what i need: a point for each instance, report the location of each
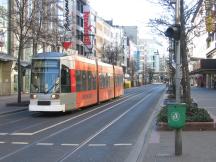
(63, 83)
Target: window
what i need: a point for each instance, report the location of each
(65, 79)
(101, 81)
(84, 80)
(94, 80)
(106, 81)
(78, 81)
(78, 20)
(81, 22)
(90, 80)
(78, 5)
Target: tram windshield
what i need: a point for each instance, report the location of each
(45, 76)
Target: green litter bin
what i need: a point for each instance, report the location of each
(176, 115)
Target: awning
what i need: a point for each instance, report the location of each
(206, 66)
(5, 57)
(203, 71)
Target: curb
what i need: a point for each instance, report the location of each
(190, 126)
(142, 142)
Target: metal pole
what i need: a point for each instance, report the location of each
(9, 34)
(178, 136)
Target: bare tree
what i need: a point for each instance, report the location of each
(21, 23)
(187, 13)
(42, 34)
(112, 54)
(29, 22)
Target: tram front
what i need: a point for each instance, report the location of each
(45, 83)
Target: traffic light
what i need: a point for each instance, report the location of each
(174, 31)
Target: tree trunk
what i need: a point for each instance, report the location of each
(185, 70)
(19, 84)
(34, 47)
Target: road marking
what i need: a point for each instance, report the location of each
(44, 144)
(3, 134)
(123, 144)
(21, 134)
(1, 142)
(96, 145)
(64, 129)
(104, 128)
(164, 155)
(69, 144)
(140, 147)
(20, 143)
(57, 124)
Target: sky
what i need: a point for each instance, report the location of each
(127, 12)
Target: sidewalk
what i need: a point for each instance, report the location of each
(4, 100)
(198, 146)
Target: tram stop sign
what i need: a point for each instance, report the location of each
(176, 115)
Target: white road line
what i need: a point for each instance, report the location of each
(21, 134)
(20, 143)
(60, 131)
(140, 147)
(96, 145)
(123, 144)
(104, 128)
(44, 144)
(52, 126)
(1, 142)
(68, 144)
(3, 134)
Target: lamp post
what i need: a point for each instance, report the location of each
(174, 32)
(178, 135)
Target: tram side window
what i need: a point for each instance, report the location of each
(84, 80)
(78, 80)
(106, 81)
(65, 80)
(121, 79)
(100, 78)
(109, 81)
(116, 80)
(90, 80)
(101, 81)
(94, 79)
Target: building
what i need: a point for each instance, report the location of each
(203, 49)
(7, 60)
(103, 36)
(62, 22)
(152, 58)
(132, 33)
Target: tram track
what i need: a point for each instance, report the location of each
(131, 96)
(88, 111)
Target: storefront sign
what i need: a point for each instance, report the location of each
(87, 26)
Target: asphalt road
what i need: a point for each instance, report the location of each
(109, 132)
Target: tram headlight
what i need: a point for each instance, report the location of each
(55, 96)
(33, 96)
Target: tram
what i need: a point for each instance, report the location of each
(61, 82)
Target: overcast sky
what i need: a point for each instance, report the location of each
(126, 12)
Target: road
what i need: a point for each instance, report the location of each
(109, 132)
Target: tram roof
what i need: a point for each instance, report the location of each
(45, 55)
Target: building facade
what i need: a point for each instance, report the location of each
(203, 47)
